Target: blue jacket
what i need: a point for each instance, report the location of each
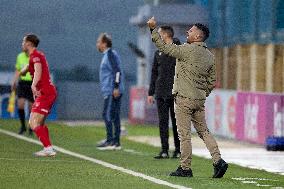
(111, 75)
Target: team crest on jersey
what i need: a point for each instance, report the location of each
(36, 59)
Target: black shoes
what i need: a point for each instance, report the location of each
(182, 173)
(176, 154)
(117, 146)
(106, 146)
(220, 169)
(162, 155)
(22, 130)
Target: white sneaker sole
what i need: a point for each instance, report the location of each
(45, 155)
(106, 148)
(118, 148)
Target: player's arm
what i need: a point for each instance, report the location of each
(36, 78)
(17, 74)
(15, 79)
(24, 71)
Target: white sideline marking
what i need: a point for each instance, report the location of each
(248, 180)
(131, 151)
(252, 178)
(105, 164)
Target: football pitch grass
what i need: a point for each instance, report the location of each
(19, 169)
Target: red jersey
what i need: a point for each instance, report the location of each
(37, 57)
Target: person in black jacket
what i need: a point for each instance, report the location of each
(162, 79)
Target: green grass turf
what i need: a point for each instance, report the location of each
(21, 170)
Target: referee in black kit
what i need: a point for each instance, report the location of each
(162, 79)
(22, 85)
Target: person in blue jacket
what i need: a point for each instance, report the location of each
(112, 87)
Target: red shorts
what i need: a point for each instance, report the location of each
(44, 102)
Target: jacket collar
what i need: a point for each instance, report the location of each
(106, 51)
(201, 44)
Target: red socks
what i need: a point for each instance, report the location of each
(43, 135)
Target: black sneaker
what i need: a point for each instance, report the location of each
(220, 169)
(101, 142)
(182, 173)
(106, 146)
(176, 154)
(117, 146)
(162, 155)
(22, 130)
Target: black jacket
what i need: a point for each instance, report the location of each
(162, 78)
(163, 72)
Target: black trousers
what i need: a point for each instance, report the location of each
(166, 106)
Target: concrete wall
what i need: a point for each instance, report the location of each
(83, 100)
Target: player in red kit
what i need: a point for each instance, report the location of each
(44, 93)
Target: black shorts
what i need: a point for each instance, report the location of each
(24, 90)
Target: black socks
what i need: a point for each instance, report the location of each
(21, 113)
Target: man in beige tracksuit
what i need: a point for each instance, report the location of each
(194, 80)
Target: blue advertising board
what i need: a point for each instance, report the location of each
(4, 100)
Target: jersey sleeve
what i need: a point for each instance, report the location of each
(36, 59)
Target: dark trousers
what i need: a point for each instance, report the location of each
(166, 106)
(111, 116)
